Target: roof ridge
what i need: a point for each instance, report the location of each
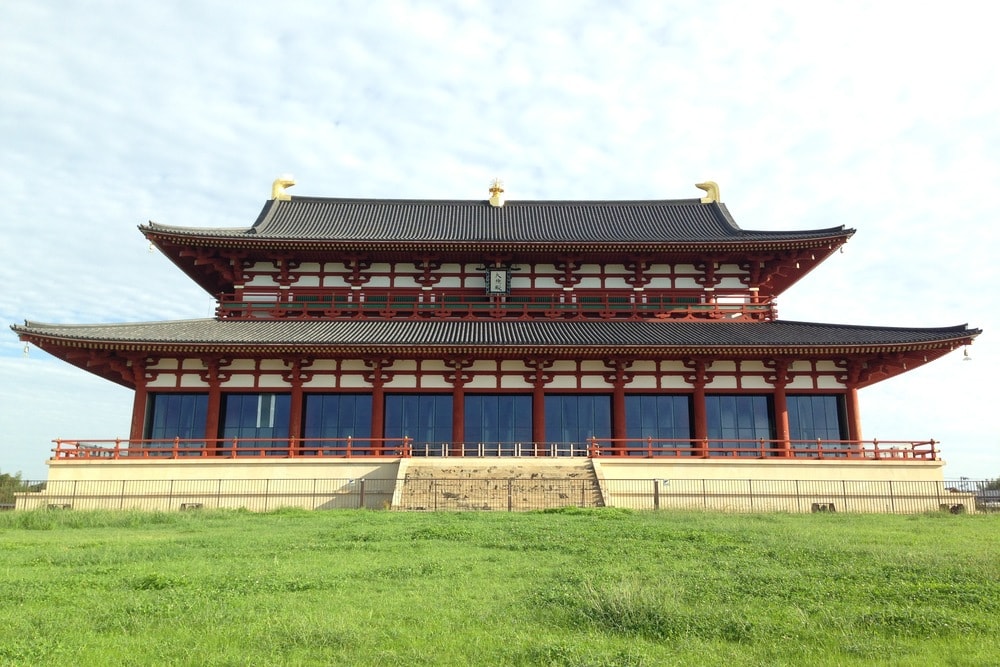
(485, 202)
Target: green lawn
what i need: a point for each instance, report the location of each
(575, 587)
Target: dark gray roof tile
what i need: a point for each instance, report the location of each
(491, 334)
(444, 221)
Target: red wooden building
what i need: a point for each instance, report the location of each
(638, 330)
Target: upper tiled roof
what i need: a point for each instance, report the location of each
(314, 219)
(640, 338)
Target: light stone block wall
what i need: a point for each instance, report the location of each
(253, 484)
(779, 485)
(734, 485)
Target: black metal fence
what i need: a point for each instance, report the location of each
(507, 494)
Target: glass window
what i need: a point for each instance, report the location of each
(816, 418)
(335, 418)
(180, 416)
(498, 423)
(257, 422)
(658, 417)
(572, 420)
(737, 423)
(424, 418)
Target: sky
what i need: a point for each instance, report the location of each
(879, 116)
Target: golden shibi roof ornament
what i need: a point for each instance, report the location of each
(496, 193)
(711, 189)
(278, 187)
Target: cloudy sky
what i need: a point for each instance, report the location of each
(876, 116)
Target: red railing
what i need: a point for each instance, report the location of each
(922, 450)
(177, 448)
(317, 303)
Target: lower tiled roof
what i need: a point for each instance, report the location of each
(451, 335)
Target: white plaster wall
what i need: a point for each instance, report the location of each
(800, 382)
(353, 365)
(307, 281)
(260, 280)
(321, 382)
(480, 382)
(516, 382)
(334, 281)
(434, 382)
(406, 282)
(239, 365)
(271, 381)
(546, 282)
(238, 382)
(401, 381)
(750, 382)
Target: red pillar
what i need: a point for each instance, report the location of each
(378, 419)
(538, 418)
(698, 379)
(458, 419)
(700, 419)
(212, 416)
(378, 376)
(137, 429)
(295, 417)
(853, 417)
(618, 430)
(781, 419)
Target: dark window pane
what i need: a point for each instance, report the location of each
(815, 417)
(424, 418)
(496, 423)
(257, 422)
(181, 416)
(738, 422)
(572, 420)
(335, 418)
(656, 417)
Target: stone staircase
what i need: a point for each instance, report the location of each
(500, 484)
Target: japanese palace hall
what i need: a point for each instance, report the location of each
(639, 331)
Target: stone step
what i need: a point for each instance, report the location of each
(447, 485)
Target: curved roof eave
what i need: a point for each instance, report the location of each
(489, 337)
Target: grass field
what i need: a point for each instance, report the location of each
(574, 587)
